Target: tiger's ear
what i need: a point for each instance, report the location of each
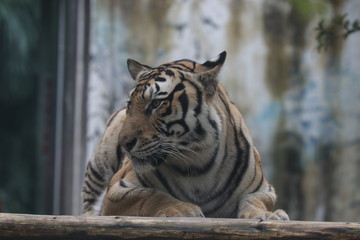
(135, 68)
(208, 75)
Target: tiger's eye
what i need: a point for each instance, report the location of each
(155, 103)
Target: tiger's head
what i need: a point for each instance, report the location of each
(169, 110)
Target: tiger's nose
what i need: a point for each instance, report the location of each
(128, 143)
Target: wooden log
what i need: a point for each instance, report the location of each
(25, 226)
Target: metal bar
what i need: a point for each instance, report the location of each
(59, 109)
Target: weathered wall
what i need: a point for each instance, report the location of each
(302, 106)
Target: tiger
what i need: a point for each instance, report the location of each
(180, 148)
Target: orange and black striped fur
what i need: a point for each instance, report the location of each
(180, 148)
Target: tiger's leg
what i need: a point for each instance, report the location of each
(123, 198)
(258, 205)
(105, 162)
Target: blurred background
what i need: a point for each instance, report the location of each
(293, 69)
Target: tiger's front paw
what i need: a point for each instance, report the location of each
(264, 215)
(277, 215)
(181, 210)
(91, 213)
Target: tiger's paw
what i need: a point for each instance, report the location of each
(262, 215)
(277, 215)
(91, 213)
(181, 210)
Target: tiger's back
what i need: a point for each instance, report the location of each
(185, 147)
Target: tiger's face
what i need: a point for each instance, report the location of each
(167, 109)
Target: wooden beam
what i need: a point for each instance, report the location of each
(24, 226)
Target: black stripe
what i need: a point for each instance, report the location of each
(160, 79)
(184, 102)
(89, 200)
(179, 68)
(149, 75)
(87, 191)
(157, 88)
(165, 65)
(252, 181)
(199, 130)
(222, 163)
(214, 126)
(88, 185)
(184, 143)
(183, 65)
(119, 157)
(164, 182)
(194, 66)
(95, 173)
(259, 185)
(169, 72)
(182, 76)
(142, 75)
(100, 185)
(242, 156)
(178, 87)
(183, 99)
(212, 122)
(161, 93)
(227, 107)
(197, 109)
